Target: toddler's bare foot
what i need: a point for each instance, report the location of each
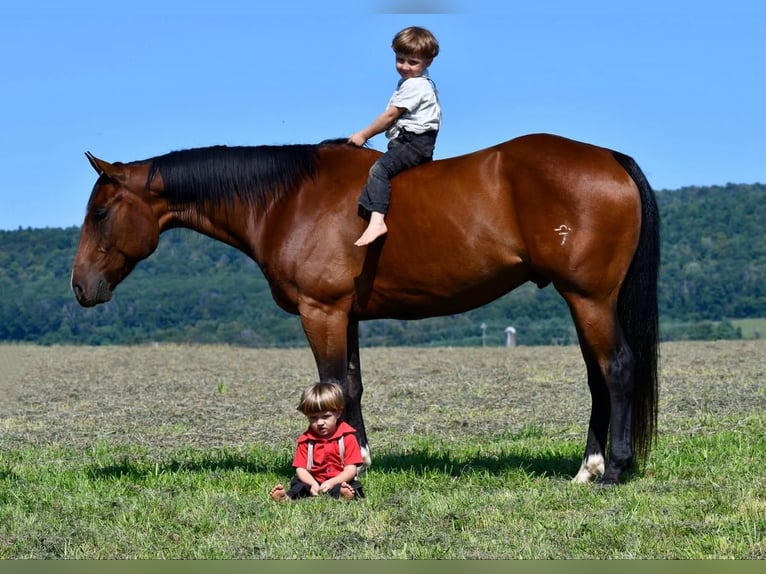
(373, 231)
(278, 493)
(346, 491)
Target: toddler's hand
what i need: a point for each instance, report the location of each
(325, 486)
(357, 139)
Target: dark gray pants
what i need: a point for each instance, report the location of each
(405, 151)
(299, 489)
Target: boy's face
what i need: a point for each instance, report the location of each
(410, 66)
(324, 424)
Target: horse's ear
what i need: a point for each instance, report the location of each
(96, 163)
(105, 168)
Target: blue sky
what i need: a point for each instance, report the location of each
(680, 86)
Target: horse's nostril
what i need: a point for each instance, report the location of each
(79, 292)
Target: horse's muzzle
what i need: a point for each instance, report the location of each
(90, 294)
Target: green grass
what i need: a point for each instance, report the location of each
(751, 328)
(702, 495)
(170, 452)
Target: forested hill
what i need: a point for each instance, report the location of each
(194, 289)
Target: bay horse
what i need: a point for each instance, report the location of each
(463, 231)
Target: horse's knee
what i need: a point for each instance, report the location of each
(353, 394)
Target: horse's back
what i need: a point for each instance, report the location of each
(515, 175)
(466, 230)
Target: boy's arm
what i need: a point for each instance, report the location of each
(381, 124)
(348, 473)
(305, 477)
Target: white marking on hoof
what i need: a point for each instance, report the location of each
(591, 467)
(366, 458)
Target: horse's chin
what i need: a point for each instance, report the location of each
(86, 302)
(92, 302)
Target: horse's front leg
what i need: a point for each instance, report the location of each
(334, 341)
(354, 381)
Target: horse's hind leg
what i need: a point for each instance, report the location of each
(610, 378)
(598, 427)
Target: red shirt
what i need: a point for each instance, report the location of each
(327, 463)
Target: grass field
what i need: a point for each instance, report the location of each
(170, 451)
(751, 328)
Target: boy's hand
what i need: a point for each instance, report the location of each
(357, 139)
(326, 486)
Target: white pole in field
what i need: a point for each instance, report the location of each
(510, 337)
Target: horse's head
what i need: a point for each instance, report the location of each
(120, 229)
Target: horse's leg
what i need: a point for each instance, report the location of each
(353, 412)
(333, 338)
(598, 427)
(604, 347)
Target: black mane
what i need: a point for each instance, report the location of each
(220, 175)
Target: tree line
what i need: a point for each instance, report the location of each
(196, 290)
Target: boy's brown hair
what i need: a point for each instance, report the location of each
(320, 398)
(416, 41)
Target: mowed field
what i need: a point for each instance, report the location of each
(168, 451)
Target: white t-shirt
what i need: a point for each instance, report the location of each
(419, 97)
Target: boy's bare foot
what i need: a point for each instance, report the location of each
(278, 493)
(373, 231)
(346, 491)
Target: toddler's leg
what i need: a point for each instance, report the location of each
(375, 229)
(346, 491)
(278, 493)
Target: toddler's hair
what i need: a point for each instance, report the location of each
(320, 398)
(416, 41)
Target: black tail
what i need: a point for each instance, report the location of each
(639, 315)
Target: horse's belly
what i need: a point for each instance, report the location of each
(437, 292)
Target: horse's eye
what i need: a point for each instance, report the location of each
(100, 213)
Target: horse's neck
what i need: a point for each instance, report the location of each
(232, 227)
